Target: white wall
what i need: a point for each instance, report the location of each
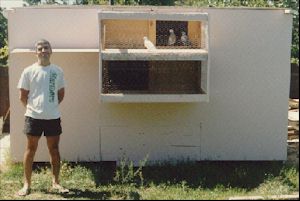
(245, 118)
(64, 28)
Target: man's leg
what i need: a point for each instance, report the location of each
(31, 147)
(53, 146)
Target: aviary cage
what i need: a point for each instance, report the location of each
(175, 63)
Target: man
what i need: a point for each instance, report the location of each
(41, 90)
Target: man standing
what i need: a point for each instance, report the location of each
(41, 90)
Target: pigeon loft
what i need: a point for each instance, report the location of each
(208, 100)
(153, 71)
(128, 34)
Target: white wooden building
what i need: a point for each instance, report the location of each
(221, 96)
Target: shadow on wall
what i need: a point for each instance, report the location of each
(4, 100)
(294, 87)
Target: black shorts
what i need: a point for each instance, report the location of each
(37, 127)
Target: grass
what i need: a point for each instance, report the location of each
(184, 180)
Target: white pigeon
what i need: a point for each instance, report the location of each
(148, 44)
(172, 37)
(184, 39)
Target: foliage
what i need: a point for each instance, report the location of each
(164, 181)
(127, 174)
(4, 54)
(36, 2)
(3, 40)
(91, 2)
(33, 2)
(3, 29)
(157, 2)
(128, 2)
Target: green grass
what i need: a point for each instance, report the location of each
(181, 180)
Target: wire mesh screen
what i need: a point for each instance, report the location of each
(124, 34)
(166, 29)
(125, 77)
(151, 77)
(134, 34)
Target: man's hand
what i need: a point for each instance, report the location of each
(24, 96)
(61, 94)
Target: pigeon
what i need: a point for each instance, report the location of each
(148, 44)
(172, 37)
(184, 39)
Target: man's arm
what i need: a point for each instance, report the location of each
(61, 94)
(24, 96)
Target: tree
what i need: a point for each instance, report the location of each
(36, 2)
(33, 2)
(91, 2)
(128, 2)
(157, 2)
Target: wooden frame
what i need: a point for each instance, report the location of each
(121, 39)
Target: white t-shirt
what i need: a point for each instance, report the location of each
(43, 83)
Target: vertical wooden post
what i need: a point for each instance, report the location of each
(103, 39)
(152, 38)
(194, 33)
(152, 31)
